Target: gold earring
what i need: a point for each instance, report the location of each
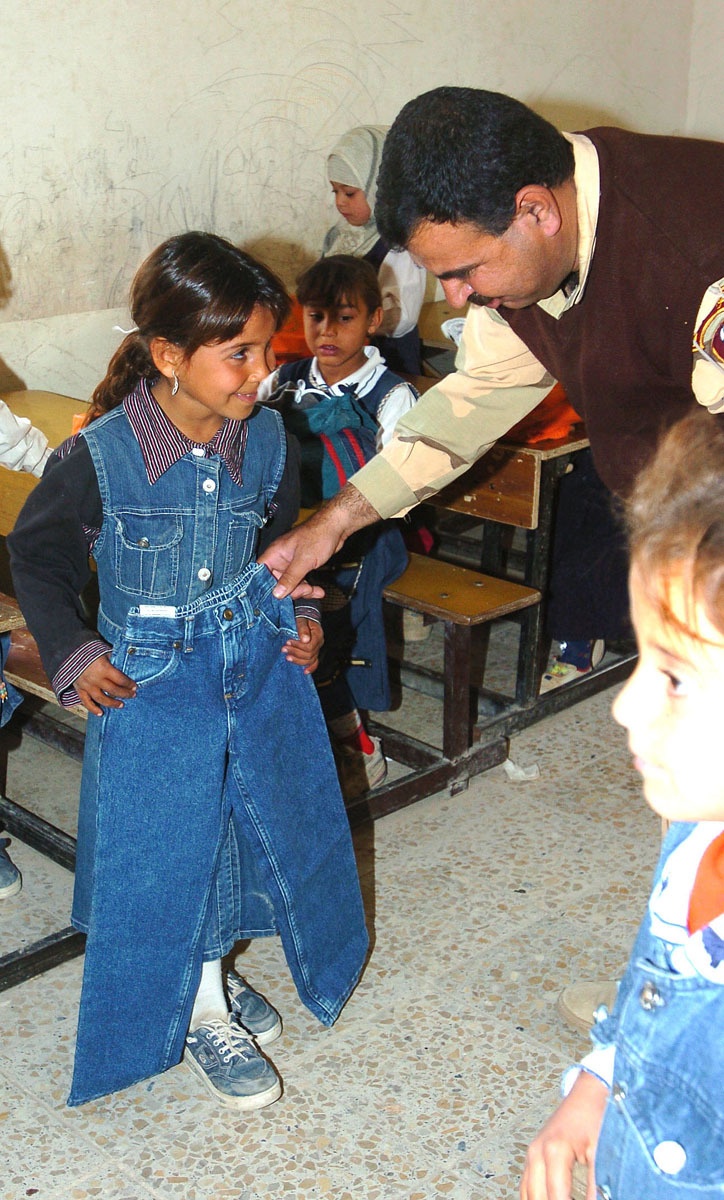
(174, 389)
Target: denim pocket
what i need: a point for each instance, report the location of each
(146, 664)
(241, 539)
(147, 553)
(277, 617)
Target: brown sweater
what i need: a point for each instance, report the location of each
(624, 352)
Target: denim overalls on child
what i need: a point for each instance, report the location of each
(210, 807)
(663, 1129)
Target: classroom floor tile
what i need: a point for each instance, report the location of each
(447, 1058)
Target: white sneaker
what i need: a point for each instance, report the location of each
(231, 1066)
(359, 772)
(10, 878)
(581, 1005)
(414, 628)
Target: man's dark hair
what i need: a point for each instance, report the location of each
(462, 154)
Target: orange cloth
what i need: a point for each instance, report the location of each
(707, 895)
(289, 344)
(553, 418)
(80, 420)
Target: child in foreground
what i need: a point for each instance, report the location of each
(645, 1110)
(342, 405)
(352, 169)
(210, 809)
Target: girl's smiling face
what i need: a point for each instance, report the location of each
(351, 203)
(673, 704)
(218, 381)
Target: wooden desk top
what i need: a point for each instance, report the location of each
(53, 414)
(48, 411)
(504, 485)
(10, 615)
(432, 316)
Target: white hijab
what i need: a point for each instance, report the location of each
(355, 161)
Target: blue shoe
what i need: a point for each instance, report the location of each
(575, 660)
(584, 656)
(231, 1066)
(252, 1011)
(11, 880)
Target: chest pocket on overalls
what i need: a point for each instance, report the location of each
(242, 536)
(147, 553)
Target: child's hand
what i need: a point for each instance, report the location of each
(102, 685)
(305, 650)
(569, 1136)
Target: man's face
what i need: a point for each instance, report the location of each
(517, 269)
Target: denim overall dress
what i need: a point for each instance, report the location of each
(210, 808)
(663, 1128)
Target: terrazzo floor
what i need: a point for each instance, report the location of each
(447, 1057)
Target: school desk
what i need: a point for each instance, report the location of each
(54, 415)
(514, 485)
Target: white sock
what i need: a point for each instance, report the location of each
(210, 1000)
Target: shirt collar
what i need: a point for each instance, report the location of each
(356, 381)
(587, 177)
(162, 444)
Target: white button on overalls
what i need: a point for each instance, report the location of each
(204, 574)
(669, 1157)
(209, 485)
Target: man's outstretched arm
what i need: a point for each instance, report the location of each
(291, 557)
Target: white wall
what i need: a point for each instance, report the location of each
(706, 81)
(127, 122)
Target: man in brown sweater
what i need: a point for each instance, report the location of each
(595, 259)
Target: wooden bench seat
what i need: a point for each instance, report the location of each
(461, 599)
(24, 669)
(456, 594)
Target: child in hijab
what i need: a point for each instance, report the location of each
(352, 168)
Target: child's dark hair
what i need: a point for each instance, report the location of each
(340, 279)
(196, 289)
(676, 519)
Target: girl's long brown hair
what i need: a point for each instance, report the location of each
(195, 289)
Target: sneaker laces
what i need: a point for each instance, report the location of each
(231, 1041)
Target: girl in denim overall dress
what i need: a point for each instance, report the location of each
(210, 808)
(643, 1114)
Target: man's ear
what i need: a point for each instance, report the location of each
(538, 203)
(375, 320)
(167, 356)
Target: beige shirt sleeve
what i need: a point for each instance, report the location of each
(496, 382)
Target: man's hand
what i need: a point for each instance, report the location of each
(310, 545)
(102, 685)
(569, 1136)
(304, 650)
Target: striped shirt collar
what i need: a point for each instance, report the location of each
(162, 444)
